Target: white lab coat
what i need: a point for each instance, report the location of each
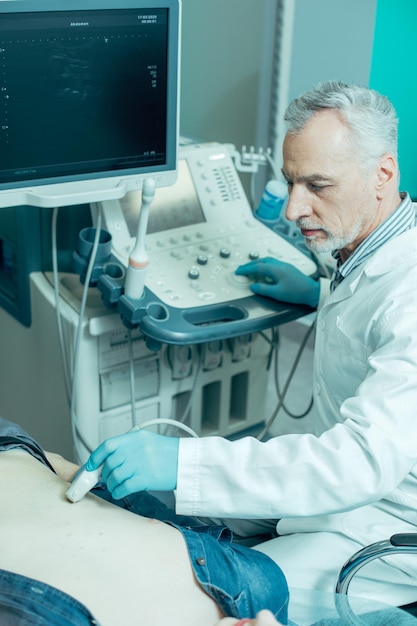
(357, 475)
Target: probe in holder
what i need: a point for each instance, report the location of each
(138, 258)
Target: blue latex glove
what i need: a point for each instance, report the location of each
(281, 281)
(137, 461)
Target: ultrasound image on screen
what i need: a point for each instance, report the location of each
(82, 91)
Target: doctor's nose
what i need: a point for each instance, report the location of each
(298, 205)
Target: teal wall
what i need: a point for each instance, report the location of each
(394, 73)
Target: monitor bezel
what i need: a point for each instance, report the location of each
(109, 185)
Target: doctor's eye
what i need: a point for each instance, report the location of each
(317, 188)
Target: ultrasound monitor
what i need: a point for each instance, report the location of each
(88, 99)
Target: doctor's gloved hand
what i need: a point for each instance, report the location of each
(137, 461)
(281, 281)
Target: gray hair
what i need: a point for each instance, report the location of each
(370, 116)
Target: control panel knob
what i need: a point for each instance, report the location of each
(225, 253)
(253, 255)
(202, 259)
(193, 273)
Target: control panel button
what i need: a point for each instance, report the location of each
(194, 273)
(202, 259)
(224, 253)
(206, 295)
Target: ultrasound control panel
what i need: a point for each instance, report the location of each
(200, 230)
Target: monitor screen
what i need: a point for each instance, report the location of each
(172, 208)
(88, 98)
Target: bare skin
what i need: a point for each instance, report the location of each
(66, 470)
(118, 564)
(335, 202)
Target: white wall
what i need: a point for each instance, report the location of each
(332, 39)
(329, 39)
(227, 52)
(221, 55)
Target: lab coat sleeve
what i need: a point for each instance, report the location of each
(289, 476)
(369, 453)
(324, 291)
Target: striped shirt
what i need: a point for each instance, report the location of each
(401, 220)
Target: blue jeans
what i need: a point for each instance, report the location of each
(27, 602)
(240, 580)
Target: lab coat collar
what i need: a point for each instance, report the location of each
(398, 251)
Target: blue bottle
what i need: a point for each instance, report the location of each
(273, 199)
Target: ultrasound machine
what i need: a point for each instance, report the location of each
(149, 316)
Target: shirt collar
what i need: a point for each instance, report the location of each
(400, 220)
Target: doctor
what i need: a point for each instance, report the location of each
(354, 479)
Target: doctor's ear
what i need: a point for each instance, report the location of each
(386, 174)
